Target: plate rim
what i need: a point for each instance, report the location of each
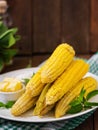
(45, 120)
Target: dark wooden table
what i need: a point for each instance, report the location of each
(22, 62)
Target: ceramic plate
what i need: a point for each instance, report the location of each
(27, 117)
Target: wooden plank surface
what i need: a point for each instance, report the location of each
(94, 26)
(20, 13)
(75, 16)
(23, 62)
(96, 120)
(46, 25)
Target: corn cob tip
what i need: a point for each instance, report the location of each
(57, 63)
(24, 103)
(69, 48)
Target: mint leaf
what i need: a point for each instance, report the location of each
(75, 102)
(9, 104)
(81, 103)
(75, 109)
(79, 99)
(91, 94)
(90, 104)
(2, 104)
(81, 96)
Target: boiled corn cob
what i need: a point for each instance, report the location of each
(40, 101)
(24, 103)
(69, 78)
(46, 109)
(35, 86)
(62, 106)
(57, 63)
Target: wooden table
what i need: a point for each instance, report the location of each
(22, 62)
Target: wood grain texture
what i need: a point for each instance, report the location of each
(46, 25)
(75, 16)
(96, 120)
(35, 60)
(23, 62)
(94, 26)
(20, 12)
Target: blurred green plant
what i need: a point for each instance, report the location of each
(8, 38)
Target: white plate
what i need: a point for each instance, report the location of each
(27, 117)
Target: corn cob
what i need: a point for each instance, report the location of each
(40, 101)
(57, 63)
(62, 106)
(24, 103)
(35, 86)
(69, 78)
(46, 109)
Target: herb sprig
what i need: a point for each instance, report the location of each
(7, 105)
(81, 102)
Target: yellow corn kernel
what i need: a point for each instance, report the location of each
(24, 103)
(45, 109)
(35, 86)
(57, 63)
(40, 101)
(62, 106)
(69, 78)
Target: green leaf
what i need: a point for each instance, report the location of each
(79, 99)
(81, 96)
(7, 41)
(9, 104)
(9, 31)
(90, 104)
(8, 54)
(75, 102)
(75, 109)
(91, 94)
(26, 81)
(2, 104)
(3, 28)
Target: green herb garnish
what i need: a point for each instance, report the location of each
(81, 102)
(9, 104)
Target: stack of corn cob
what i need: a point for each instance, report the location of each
(55, 84)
